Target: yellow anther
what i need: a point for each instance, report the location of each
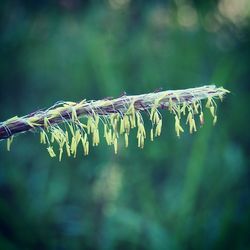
(46, 122)
(52, 139)
(142, 141)
(67, 136)
(215, 120)
(126, 123)
(73, 145)
(68, 149)
(153, 109)
(139, 141)
(178, 127)
(51, 151)
(209, 102)
(151, 134)
(126, 139)
(194, 125)
(132, 120)
(183, 108)
(60, 154)
(201, 118)
(122, 130)
(42, 137)
(212, 110)
(87, 148)
(158, 128)
(189, 118)
(115, 145)
(156, 117)
(196, 108)
(96, 138)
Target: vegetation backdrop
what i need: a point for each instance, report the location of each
(187, 193)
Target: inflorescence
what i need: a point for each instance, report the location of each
(69, 123)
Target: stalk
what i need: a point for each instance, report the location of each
(69, 123)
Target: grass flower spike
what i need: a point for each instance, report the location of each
(72, 124)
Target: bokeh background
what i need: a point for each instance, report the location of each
(187, 193)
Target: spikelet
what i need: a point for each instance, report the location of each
(69, 124)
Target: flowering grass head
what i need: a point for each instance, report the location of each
(74, 124)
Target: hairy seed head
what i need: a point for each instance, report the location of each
(69, 124)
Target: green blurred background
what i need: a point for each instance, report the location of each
(187, 193)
